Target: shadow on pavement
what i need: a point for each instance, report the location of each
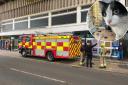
(124, 66)
(64, 61)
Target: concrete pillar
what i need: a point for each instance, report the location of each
(78, 15)
(13, 24)
(1, 29)
(29, 24)
(49, 19)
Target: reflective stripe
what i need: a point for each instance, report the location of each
(53, 44)
(63, 37)
(39, 52)
(66, 44)
(38, 47)
(68, 36)
(48, 47)
(34, 43)
(43, 43)
(62, 53)
(62, 40)
(39, 40)
(59, 36)
(50, 40)
(59, 48)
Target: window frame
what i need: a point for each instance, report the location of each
(83, 10)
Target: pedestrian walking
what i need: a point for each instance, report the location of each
(102, 56)
(88, 50)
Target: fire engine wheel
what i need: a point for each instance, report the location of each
(50, 56)
(24, 53)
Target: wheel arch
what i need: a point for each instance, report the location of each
(53, 52)
(50, 58)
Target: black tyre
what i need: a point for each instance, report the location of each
(50, 56)
(24, 53)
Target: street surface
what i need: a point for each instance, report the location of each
(37, 71)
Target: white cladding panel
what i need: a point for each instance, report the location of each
(54, 29)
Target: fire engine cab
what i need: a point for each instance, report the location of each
(50, 46)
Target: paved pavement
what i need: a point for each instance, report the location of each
(15, 70)
(112, 65)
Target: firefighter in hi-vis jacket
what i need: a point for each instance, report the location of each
(102, 56)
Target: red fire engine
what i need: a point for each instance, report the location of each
(50, 46)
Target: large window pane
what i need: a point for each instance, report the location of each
(39, 23)
(7, 27)
(21, 25)
(64, 19)
(83, 16)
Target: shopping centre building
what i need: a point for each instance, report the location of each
(19, 17)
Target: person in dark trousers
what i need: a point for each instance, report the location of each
(9, 47)
(83, 54)
(88, 50)
(120, 49)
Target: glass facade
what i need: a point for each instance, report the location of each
(41, 20)
(21, 25)
(83, 16)
(7, 27)
(39, 23)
